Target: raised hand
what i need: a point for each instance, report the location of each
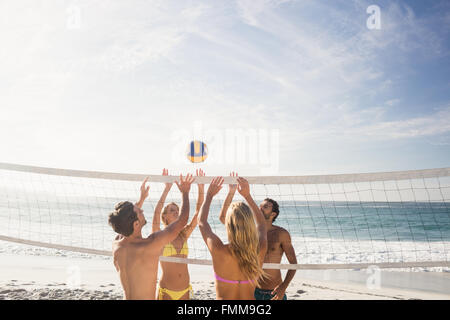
(243, 187)
(168, 184)
(232, 187)
(200, 173)
(185, 184)
(215, 186)
(144, 190)
(144, 193)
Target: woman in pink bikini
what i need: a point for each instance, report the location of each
(238, 264)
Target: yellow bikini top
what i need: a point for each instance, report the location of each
(169, 250)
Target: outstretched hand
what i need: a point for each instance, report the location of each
(185, 184)
(232, 187)
(215, 186)
(243, 187)
(144, 190)
(200, 173)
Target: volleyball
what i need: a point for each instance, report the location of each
(197, 151)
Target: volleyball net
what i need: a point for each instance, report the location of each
(342, 221)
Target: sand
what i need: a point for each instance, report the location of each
(46, 274)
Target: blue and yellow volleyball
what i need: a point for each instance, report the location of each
(197, 151)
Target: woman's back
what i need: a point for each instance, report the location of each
(231, 283)
(237, 265)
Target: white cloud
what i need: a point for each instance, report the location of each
(245, 64)
(430, 125)
(401, 31)
(393, 102)
(366, 126)
(249, 10)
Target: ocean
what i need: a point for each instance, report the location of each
(74, 212)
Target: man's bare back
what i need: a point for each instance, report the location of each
(136, 258)
(137, 265)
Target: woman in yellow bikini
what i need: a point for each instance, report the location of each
(175, 282)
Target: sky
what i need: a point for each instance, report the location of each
(273, 87)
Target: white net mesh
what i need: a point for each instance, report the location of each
(395, 220)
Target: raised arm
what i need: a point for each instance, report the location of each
(244, 190)
(156, 224)
(167, 235)
(200, 199)
(144, 194)
(211, 239)
(226, 204)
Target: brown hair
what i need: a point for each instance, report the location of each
(122, 218)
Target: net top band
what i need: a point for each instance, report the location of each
(264, 180)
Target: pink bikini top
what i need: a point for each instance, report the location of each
(218, 278)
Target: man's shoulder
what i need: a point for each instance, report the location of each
(117, 250)
(282, 233)
(279, 229)
(118, 245)
(151, 245)
(135, 248)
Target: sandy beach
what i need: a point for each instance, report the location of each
(58, 275)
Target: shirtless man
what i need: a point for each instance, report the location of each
(278, 242)
(136, 258)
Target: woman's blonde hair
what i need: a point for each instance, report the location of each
(166, 223)
(244, 240)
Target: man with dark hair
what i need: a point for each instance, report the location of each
(123, 217)
(278, 242)
(136, 258)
